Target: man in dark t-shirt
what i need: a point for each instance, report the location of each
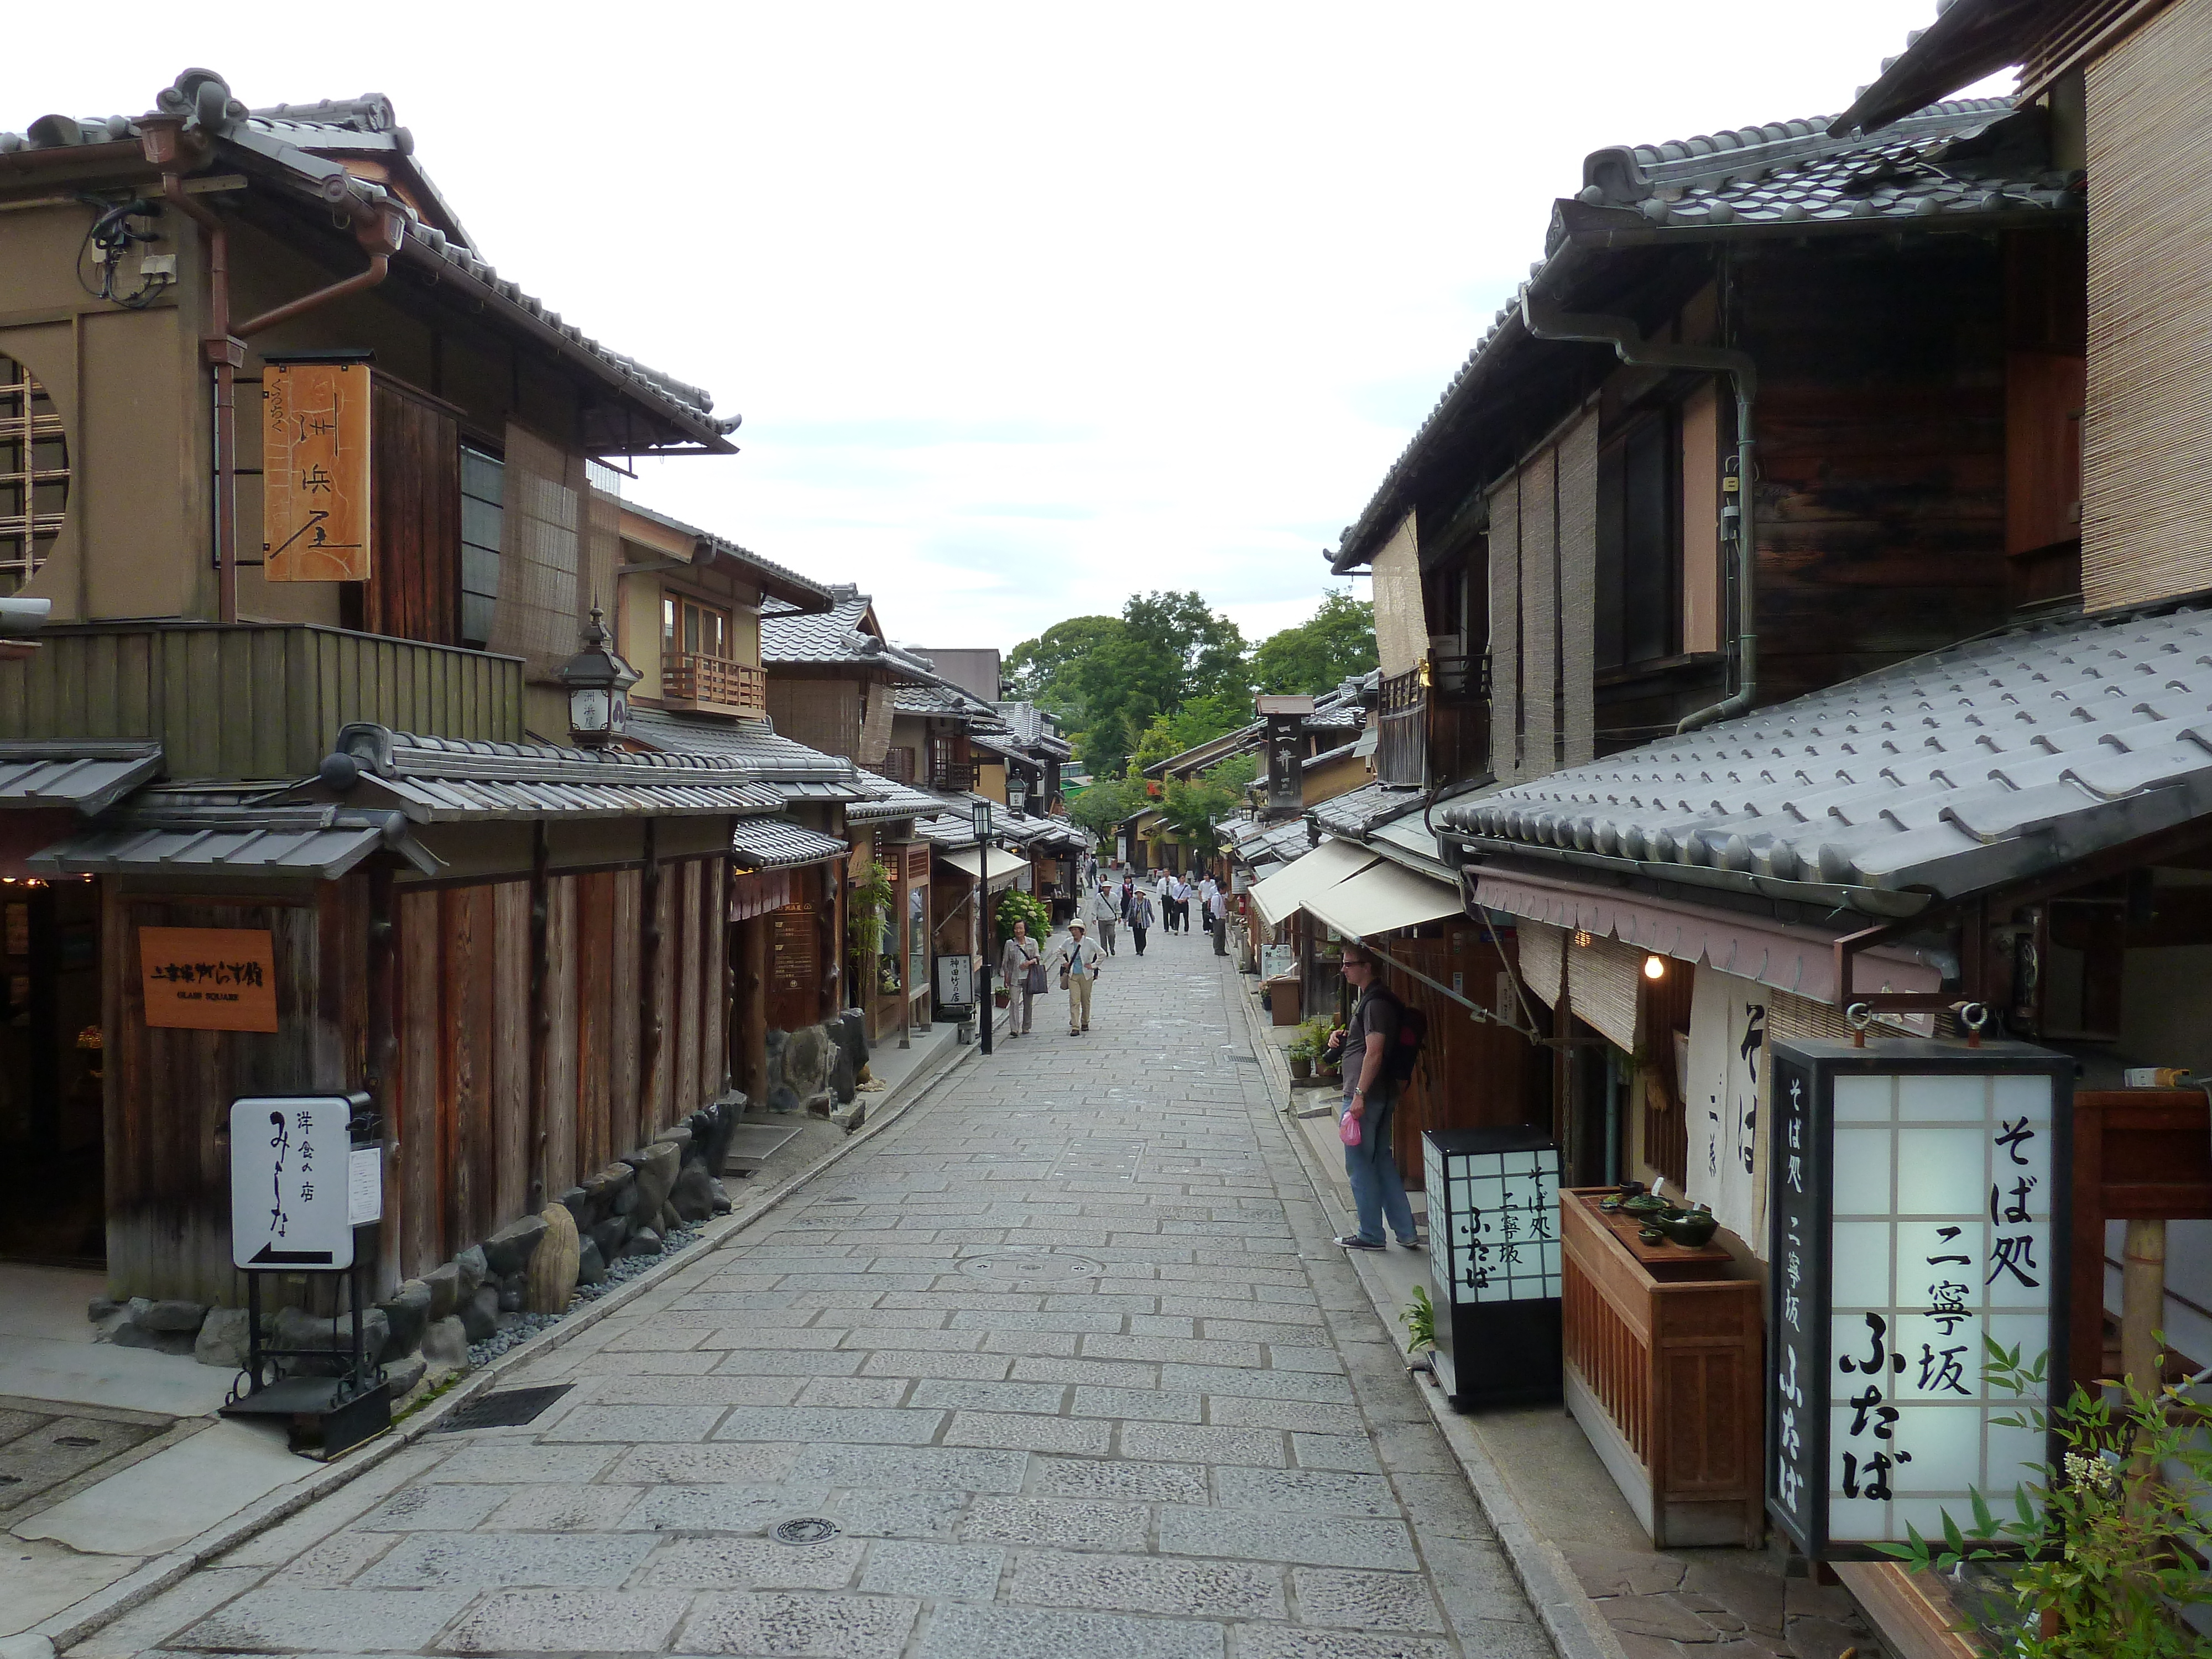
(1371, 1097)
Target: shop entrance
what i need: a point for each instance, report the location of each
(51, 1111)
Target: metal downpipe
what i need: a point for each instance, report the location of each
(1623, 334)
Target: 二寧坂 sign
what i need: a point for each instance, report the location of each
(1916, 1203)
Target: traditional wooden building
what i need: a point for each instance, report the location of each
(314, 513)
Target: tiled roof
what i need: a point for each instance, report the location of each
(1357, 811)
(890, 799)
(769, 843)
(298, 143)
(752, 744)
(1974, 766)
(824, 636)
(88, 774)
(1957, 165)
(1033, 728)
(780, 580)
(1342, 751)
(161, 836)
(451, 780)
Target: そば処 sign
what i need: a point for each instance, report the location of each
(1917, 1203)
(209, 979)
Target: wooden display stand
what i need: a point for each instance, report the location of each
(1662, 1372)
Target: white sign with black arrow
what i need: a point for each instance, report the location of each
(290, 1178)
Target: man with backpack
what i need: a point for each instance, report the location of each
(1380, 1045)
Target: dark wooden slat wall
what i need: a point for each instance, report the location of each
(414, 589)
(457, 1109)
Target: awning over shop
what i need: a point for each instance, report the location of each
(1797, 959)
(1382, 898)
(1006, 866)
(90, 776)
(1288, 890)
(779, 844)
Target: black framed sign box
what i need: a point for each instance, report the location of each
(1919, 1205)
(1493, 1197)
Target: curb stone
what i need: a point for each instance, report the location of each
(1570, 1619)
(61, 1630)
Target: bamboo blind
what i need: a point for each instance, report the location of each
(1603, 979)
(1577, 564)
(2147, 467)
(1540, 962)
(1401, 628)
(539, 603)
(1539, 616)
(876, 726)
(1506, 630)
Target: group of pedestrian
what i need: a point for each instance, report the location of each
(1111, 900)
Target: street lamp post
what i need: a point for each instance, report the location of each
(981, 820)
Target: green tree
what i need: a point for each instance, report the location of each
(1199, 720)
(1192, 807)
(1334, 644)
(1046, 671)
(1103, 805)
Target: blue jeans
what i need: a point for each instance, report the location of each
(1377, 1189)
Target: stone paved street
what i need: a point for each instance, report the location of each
(1065, 1354)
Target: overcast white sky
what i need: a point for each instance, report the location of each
(1026, 307)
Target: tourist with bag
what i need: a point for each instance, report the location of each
(1105, 912)
(1021, 970)
(1140, 918)
(1078, 961)
(1370, 1096)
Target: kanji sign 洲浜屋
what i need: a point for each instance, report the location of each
(292, 1180)
(315, 477)
(209, 979)
(1917, 1199)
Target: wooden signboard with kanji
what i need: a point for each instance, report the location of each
(209, 979)
(315, 477)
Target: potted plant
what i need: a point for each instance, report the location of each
(1302, 1055)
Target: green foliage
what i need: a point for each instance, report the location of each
(866, 911)
(1103, 805)
(1419, 1319)
(1312, 1040)
(1016, 906)
(1045, 670)
(2109, 1536)
(1335, 643)
(1200, 719)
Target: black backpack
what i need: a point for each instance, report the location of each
(1406, 1028)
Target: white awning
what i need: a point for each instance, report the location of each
(1005, 867)
(1289, 889)
(1382, 898)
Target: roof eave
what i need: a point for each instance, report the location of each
(1971, 40)
(1884, 902)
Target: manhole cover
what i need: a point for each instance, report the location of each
(509, 1409)
(808, 1529)
(1030, 1266)
(1246, 1060)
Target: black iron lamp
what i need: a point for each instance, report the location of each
(598, 684)
(979, 816)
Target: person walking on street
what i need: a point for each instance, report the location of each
(1105, 912)
(1078, 961)
(1218, 921)
(1140, 918)
(1370, 1096)
(1021, 970)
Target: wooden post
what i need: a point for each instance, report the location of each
(653, 994)
(541, 1015)
(752, 1009)
(2142, 1301)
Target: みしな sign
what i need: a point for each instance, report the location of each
(209, 979)
(291, 1183)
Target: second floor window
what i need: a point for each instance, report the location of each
(34, 475)
(692, 628)
(483, 522)
(1658, 551)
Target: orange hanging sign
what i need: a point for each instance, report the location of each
(315, 479)
(209, 979)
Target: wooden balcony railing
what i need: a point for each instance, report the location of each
(716, 685)
(953, 776)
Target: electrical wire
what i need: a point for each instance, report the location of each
(111, 234)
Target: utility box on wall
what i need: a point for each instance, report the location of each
(1918, 1207)
(1493, 1197)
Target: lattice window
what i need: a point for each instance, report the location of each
(34, 475)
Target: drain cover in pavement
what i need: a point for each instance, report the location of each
(1030, 1266)
(509, 1409)
(809, 1529)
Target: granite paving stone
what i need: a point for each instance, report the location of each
(1062, 1356)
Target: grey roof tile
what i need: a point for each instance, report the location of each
(772, 843)
(821, 637)
(2043, 751)
(767, 757)
(88, 774)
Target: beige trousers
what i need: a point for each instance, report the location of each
(1079, 1002)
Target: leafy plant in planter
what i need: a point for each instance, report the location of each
(867, 911)
(2112, 1536)
(1016, 906)
(1315, 1034)
(1419, 1319)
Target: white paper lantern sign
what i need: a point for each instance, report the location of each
(1493, 1201)
(1917, 1203)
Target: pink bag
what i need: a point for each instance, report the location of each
(1347, 1129)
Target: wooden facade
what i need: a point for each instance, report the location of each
(622, 977)
(250, 700)
(1473, 1075)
